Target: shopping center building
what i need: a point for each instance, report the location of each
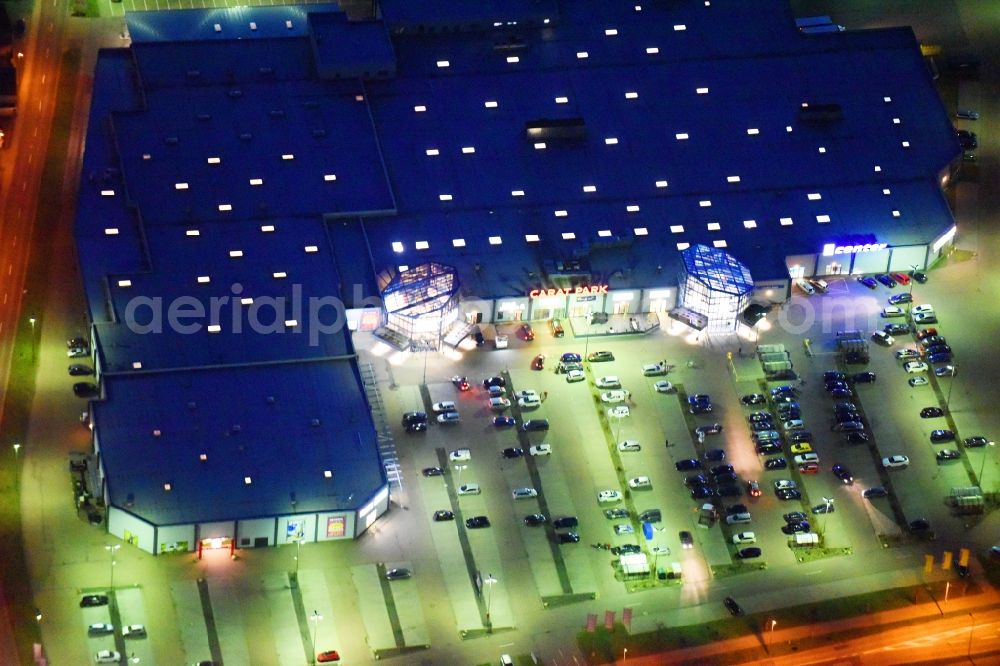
(459, 165)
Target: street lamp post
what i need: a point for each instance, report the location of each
(828, 503)
(32, 320)
(112, 548)
(771, 637)
(298, 551)
(458, 483)
(951, 385)
(314, 618)
(982, 467)
(17, 467)
(489, 581)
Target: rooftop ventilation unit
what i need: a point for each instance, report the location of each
(511, 43)
(555, 128)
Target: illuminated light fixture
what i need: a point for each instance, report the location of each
(236, 253)
(822, 149)
(705, 203)
(611, 141)
(788, 128)
(676, 228)
(680, 27)
(640, 231)
(683, 246)
(203, 457)
(157, 433)
(490, 104)
(359, 98)
(204, 279)
(732, 179)
(192, 232)
(540, 145)
(814, 196)
(180, 186)
(546, 21)
(167, 486)
(887, 191)
(431, 152)
(719, 243)
(713, 226)
(887, 100)
(443, 63)
(661, 184)
(247, 480)
(246, 300)
(468, 150)
(631, 95)
(652, 50)
(288, 25)
(517, 193)
(496, 240)
(604, 233)
(279, 275)
(458, 242)
(681, 136)
(638, 8)
(568, 235)
(589, 188)
(531, 238)
(895, 213)
(822, 219)
(562, 100)
(878, 169)
(255, 182)
(701, 91)
(327, 474)
(753, 131)
(421, 245)
(582, 54)
(632, 208)
(287, 157)
(786, 221)
(124, 283)
(329, 177)
(214, 328)
(513, 59)
(749, 224)
(146, 157)
(610, 32)
(291, 323)
(267, 228)
(215, 160)
(403, 268)
(444, 197)
(905, 144)
(225, 207)
(419, 108)
(561, 213)
(896, 121)
(310, 249)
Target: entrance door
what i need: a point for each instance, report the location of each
(621, 307)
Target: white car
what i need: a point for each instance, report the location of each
(804, 458)
(541, 450)
(449, 417)
(922, 309)
(804, 285)
(663, 386)
(575, 376)
(134, 631)
(661, 550)
(895, 461)
(607, 496)
(892, 311)
(107, 657)
(499, 404)
(446, 406)
(527, 394)
(609, 382)
(914, 367)
(497, 391)
(918, 381)
(619, 412)
(794, 424)
(925, 318)
(615, 396)
(883, 338)
(907, 354)
(624, 528)
(501, 341)
(460, 455)
(640, 482)
(468, 489)
(630, 445)
(784, 484)
(745, 537)
(654, 369)
(529, 403)
(524, 493)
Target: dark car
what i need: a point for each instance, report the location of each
(968, 140)
(795, 528)
(732, 606)
(625, 549)
(494, 381)
(897, 299)
(886, 280)
(761, 426)
(931, 412)
(534, 519)
(789, 414)
(571, 357)
(715, 455)
(843, 474)
(948, 454)
(690, 463)
(696, 480)
(940, 348)
(733, 509)
(832, 386)
(538, 363)
(416, 427)
(759, 417)
(875, 492)
(477, 521)
(748, 553)
(710, 429)
(942, 436)
(610, 514)
(846, 417)
(442, 515)
(896, 329)
(976, 442)
(753, 399)
(925, 333)
(795, 517)
(414, 417)
(570, 521)
(78, 370)
(722, 469)
(702, 492)
(687, 541)
(868, 281)
(931, 339)
(85, 389)
(432, 471)
(775, 463)
(480, 340)
(726, 477)
(505, 422)
(767, 448)
(526, 333)
(834, 376)
(801, 436)
(512, 452)
(863, 377)
(841, 393)
(600, 356)
(856, 438)
(824, 508)
(788, 494)
(919, 276)
(918, 525)
(91, 600)
(728, 490)
(568, 537)
(701, 408)
(943, 357)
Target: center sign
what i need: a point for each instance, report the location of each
(831, 249)
(569, 291)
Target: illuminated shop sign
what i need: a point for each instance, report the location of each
(569, 291)
(831, 249)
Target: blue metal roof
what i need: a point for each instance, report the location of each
(223, 24)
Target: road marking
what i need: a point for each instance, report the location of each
(4, 302)
(813, 573)
(10, 268)
(506, 644)
(43, 78)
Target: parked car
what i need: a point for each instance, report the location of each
(85, 390)
(931, 412)
(640, 482)
(79, 370)
(895, 462)
(631, 445)
(748, 553)
(134, 631)
(571, 521)
(875, 492)
(788, 494)
(107, 657)
(600, 356)
(540, 450)
(92, 600)
(617, 396)
(826, 507)
(688, 464)
(801, 447)
(883, 338)
(469, 489)
(804, 285)
(460, 455)
(925, 318)
(606, 496)
(523, 493)
(744, 538)
(710, 429)
(892, 311)
(857, 438)
(615, 514)
(624, 528)
(767, 448)
(328, 656)
(843, 473)
(574, 376)
(494, 381)
(512, 452)
(913, 367)
(568, 537)
(663, 386)
(753, 399)
(619, 412)
(886, 280)
(905, 297)
(715, 455)
(608, 382)
(442, 515)
(896, 328)
(938, 436)
(976, 442)
(795, 528)
(449, 417)
(654, 369)
(775, 463)
(868, 281)
(925, 333)
(432, 471)
(477, 522)
(864, 377)
(571, 357)
(504, 421)
(918, 381)
(77, 352)
(948, 454)
(101, 629)
(398, 574)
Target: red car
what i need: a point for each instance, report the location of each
(526, 332)
(809, 468)
(538, 363)
(926, 333)
(461, 383)
(901, 278)
(328, 656)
